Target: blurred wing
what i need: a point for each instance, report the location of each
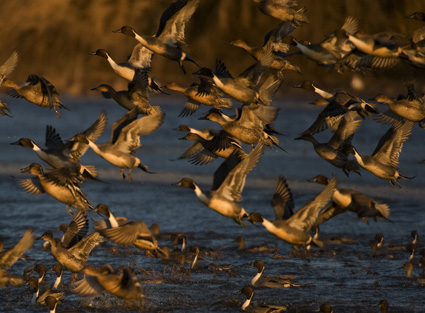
(32, 185)
(9, 257)
(305, 217)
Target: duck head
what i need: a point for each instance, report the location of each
(24, 142)
(186, 182)
(34, 169)
(255, 218)
(126, 30)
(100, 52)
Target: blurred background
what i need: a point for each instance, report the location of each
(54, 37)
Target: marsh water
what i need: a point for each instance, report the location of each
(345, 275)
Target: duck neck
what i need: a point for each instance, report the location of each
(57, 282)
(201, 195)
(142, 40)
(247, 302)
(255, 279)
(113, 220)
(35, 296)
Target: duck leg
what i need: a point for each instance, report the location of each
(69, 210)
(130, 179)
(122, 174)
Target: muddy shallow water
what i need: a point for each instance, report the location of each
(345, 275)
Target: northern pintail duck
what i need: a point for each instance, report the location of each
(140, 59)
(284, 11)
(295, 229)
(121, 283)
(204, 151)
(9, 257)
(125, 139)
(129, 99)
(333, 151)
(135, 71)
(263, 248)
(338, 103)
(333, 48)
(408, 266)
(382, 49)
(225, 199)
(276, 39)
(246, 306)
(57, 183)
(75, 258)
(250, 125)
(244, 87)
(169, 38)
(326, 308)
(346, 199)
(200, 93)
(383, 162)
(384, 306)
(37, 90)
(38, 298)
(111, 221)
(59, 154)
(261, 280)
(126, 232)
(410, 107)
(8, 66)
(58, 269)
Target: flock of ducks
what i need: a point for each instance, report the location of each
(241, 141)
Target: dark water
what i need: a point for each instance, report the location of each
(344, 275)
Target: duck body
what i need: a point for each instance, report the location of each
(59, 154)
(37, 90)
(121, 283)
(224, 199)
(75, 258)
(125, 139)
(58, 184)
(295, 229)
(170, 35)
(412, 110)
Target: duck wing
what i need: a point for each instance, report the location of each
(141, 57)
(8, 66)
(173, 21)
(88, 286)
(32, 185)
(83, 248)
(53, 139)
(119, 124)
(305, 217)
(282, 201)
(233, 184)
(127, 233)
(9, 257)
(78, 226)
(76, 149)
(389, 146)
(348, 125)
(129, 138)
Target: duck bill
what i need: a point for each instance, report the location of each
(25, 170)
